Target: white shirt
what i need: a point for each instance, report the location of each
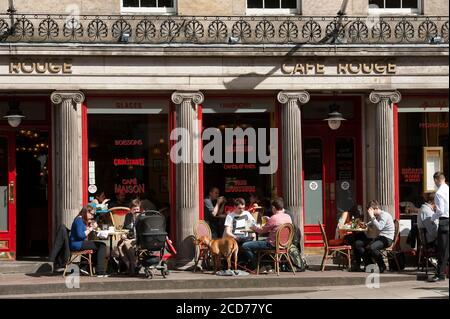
(239, 223)
(441, 201)
(425, 220)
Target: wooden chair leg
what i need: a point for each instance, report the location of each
(90, 265)
(257, 262)
(322, 266)
(349, 259)
(290, 263)
(277, 263)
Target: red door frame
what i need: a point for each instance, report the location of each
(351, 128)
(10, 234)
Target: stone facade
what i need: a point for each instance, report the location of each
(206, 7)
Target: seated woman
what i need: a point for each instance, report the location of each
(127, 244)
(82, 226)
(347, 218)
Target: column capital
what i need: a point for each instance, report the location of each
(58, 96)
(391, 96)
(195, 96)
(284, 96)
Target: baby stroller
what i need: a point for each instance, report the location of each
(153, 247)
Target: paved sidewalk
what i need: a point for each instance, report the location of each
(391, 290)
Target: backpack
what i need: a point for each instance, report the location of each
(298, 259)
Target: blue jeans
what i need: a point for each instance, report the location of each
(249, 247)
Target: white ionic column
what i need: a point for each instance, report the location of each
(187, 193)
(67, 155)
(292, 153)
(384, 148)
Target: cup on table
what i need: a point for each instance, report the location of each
(104, 227)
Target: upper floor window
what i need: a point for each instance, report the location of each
(148, 6)
(394, 6)
(272, 6)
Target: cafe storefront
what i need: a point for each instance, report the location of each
(109, 122)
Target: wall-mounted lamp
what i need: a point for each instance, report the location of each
(124, 37)
(334, 117)
(14, 114)
(234, 40)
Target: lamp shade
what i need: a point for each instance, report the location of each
(334, 117)
(14, 114)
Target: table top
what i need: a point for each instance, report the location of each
(102, 211)
(353, 229)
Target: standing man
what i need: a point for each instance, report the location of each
(441, 202)
(212, 206)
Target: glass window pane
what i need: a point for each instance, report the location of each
(376, 3)
(410, 4)
(131, 3)
(148, 3)
(272, 4)
(252, 4)
(313, 183)
(289, 4)
(345, 168)
(128, 154)
(165, 3)
(393, 4)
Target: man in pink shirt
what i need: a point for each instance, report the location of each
(278, 218)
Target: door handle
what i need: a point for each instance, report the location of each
(11, 192)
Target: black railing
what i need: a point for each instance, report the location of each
(220, 30)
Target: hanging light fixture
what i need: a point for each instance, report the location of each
(14, 114)
(334, 117)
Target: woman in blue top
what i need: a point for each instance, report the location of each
(81, 228)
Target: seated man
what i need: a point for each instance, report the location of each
(278, 218)
(238, 221)
(213, 207)
(425, 220)
(384, 224)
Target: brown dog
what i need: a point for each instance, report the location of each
(226, 247)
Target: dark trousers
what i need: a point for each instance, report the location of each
(442, 247)
(360, 241)
(99, 249)
(367, 249)
(374, 251)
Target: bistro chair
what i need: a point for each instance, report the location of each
(331, 251)
(283, 240)
(201, 251)
(81, 255)
(391, 251)
(425, 251)
(117, 215)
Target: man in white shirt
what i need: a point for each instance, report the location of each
(237, 222)
(441, 202)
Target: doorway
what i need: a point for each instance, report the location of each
(32, 204)
(332, 167)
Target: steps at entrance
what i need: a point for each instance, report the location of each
(181, 284)
(23, 267)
